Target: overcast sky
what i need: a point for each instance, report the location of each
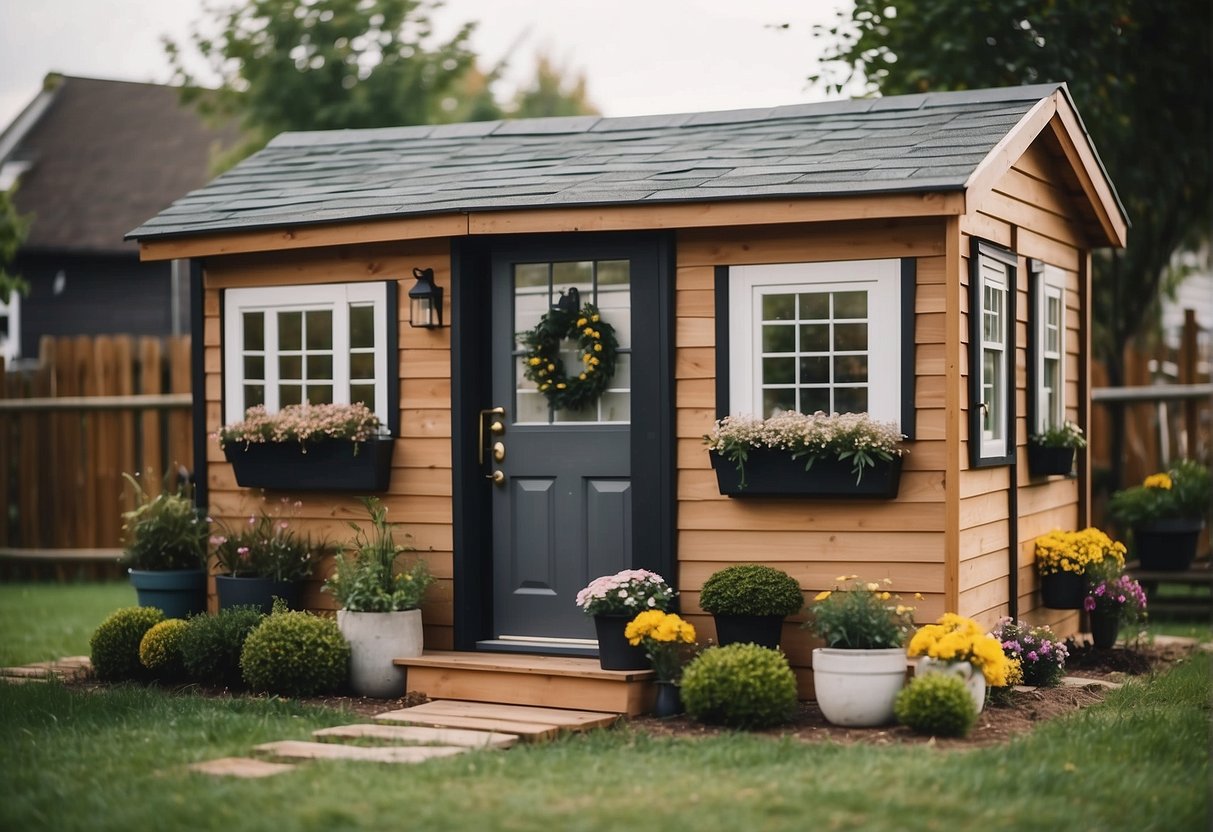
(639, 56)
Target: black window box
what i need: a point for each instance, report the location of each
(1046, 461)
(771, 473)
(331, 465)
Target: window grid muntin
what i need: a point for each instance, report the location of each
(993, 350)
(599, 281)
(807, 313)
(1052, 395)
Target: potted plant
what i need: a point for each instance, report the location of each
(837, 455)
(1063, 559)
(165, 552)
(262, 559)
(861, 668)
(309, 447)
(614, 600)
(1110, 603)
(749, 603)
(1039, 657)
(957, 645)
(1165, 515)
(380, 599)
(665, 638)
(1051, 452)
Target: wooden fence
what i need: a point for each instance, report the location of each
(94, 408)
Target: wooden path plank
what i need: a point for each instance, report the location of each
(525, 731)
(240, 767)
(580, 720)
(418, 735)
(303, 750)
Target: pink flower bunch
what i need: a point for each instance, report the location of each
(1121, 594)
(302, 423)
(625, 593)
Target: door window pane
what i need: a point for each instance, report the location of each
(362, 327)
(779, 307)
(290, 330)
(254, 331)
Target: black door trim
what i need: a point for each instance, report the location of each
(653, 449)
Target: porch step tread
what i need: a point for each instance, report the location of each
(417, 735)
(304, 750)
(523, 663)
(563, 717)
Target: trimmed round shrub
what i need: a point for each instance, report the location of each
(114, 646)
(937, 704)
(751, 589)
(295, 654)
(211, 645)
(160, 649)
(741, 685)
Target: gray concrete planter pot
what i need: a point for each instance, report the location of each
(376, 639)
(180, 593)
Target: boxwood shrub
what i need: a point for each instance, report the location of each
(936, 704)
(741, 685)
(114, 646)
(160, 649)
(751, 589)
(295, 654)
(211, 645)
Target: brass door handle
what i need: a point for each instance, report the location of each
(498, 477)
(499, 451)
(490, 411)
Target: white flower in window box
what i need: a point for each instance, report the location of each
(834, 455)
(309, 447)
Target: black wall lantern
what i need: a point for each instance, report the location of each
(425, 301)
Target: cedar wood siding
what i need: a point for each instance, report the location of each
(419, 497)
(813, 540)
(1030, 213)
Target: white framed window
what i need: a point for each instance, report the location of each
(991, 357)
(10, 328)
(287, 345)
(1048, 334)
(816, 336)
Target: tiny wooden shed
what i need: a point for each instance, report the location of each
(677, 227)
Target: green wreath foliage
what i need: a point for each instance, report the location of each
(543, 365)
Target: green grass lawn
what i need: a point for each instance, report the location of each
(41, 621)
(115, 760)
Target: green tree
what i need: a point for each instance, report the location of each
(13, 228)
(555, 91)
(1139, 72)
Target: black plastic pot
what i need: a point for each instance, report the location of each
(763, 630)
(771, 473)
(332, 465)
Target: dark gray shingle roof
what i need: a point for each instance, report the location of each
(864, 146)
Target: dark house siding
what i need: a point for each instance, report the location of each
(99, 296)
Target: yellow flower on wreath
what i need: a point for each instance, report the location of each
(534, 362)
(595, 317)
(581, 322)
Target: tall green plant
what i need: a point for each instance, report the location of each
(166, 531)
(366, 578)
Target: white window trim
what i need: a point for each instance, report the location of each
(880, 278)
(991, 265)
(1051, 283)
(288, 298)
(10, 346)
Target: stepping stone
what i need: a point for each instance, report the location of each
(301, 750)
(1174, 641)
(240, 767)
(1082, 682)
(418, 735)
(23, 680)
(27, 672)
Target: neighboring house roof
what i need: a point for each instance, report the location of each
(96, 157)
(914, 143)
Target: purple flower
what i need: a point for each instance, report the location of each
(1088, 603)
(1032, 656)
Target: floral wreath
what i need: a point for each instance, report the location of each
(596, 340)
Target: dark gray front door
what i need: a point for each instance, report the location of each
(562, 511)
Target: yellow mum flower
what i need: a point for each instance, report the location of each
(534, 361)
(597, 334)
(551, 367)
(589, 330)
(1162, 481)
(595, 318)
(821, 596)
(581, 322)
(561, 386)
(585, 358)
(918, 596)
(840, 579)
(582, 376)
(598, 348)
(873, 586)
(544, 386)
(884, 596)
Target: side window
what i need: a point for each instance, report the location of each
(1047, 347)
(991, 354)
(316, 344)
(816, 336)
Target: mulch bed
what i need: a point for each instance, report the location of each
(998, 723)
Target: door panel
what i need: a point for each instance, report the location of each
(562, 515)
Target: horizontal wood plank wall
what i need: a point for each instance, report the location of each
(419, 497)
(815, 541)
(1029, 211)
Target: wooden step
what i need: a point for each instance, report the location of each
(416, 735)
(528, 724)
(563, 682)
(299, 750)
